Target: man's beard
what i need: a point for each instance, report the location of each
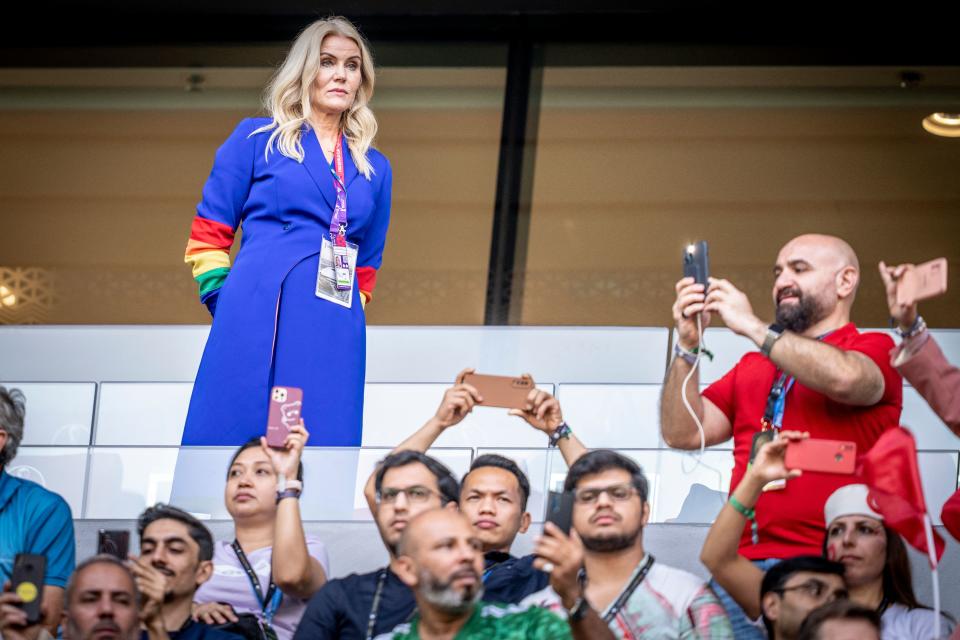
(609, 544)
(443, 596)
(800, 316)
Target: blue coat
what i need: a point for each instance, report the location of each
(269, 328)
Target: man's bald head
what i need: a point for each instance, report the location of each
(816, 282)
(829, 248)
(440, 522)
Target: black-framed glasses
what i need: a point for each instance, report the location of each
(617, 493)
(416, 493)
(816, 590)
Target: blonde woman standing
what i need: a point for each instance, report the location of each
(313, 199)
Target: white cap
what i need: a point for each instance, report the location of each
(850, 500)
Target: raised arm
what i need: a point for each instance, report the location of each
(720, 555)
(458, 401)
(295, 571)
(849, 377)
(542, 412)
(677, 426)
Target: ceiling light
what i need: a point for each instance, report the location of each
(943, 124)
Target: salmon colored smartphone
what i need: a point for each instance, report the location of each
(285, 406)
(500, 391)
(924, 281)
(825, 456)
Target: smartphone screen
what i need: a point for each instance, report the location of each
(560, 510)
(114, 542)
(29, 572)
(286, 405)
(696, 262)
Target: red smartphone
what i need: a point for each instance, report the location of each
(500, 391)
(286, 404)
(924, 281)
(825, 456)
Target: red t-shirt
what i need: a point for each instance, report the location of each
(790, 520)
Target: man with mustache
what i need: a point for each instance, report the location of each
(440, 558)
(101, 602)
(176, 557)
(634, 595)
(814, 372)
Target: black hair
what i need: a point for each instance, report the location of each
(600, 460)
(501, 462)
(200, 534)
(837, 610)
(446, 482)
(103, 558)
(255, 442)
(777, 576)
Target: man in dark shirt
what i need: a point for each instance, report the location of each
(176, 557)
(361, 606)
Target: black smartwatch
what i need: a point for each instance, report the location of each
(774, 332)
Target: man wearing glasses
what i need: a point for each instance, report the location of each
(634, 594)
(793, 588)
(361, 606)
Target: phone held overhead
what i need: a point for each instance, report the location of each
(500, 391)
(286, 407)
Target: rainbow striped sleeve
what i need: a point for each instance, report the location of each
(208, 253)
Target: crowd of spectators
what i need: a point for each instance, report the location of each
(790, 556)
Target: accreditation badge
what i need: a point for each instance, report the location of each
(337, 269)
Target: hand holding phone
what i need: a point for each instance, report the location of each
(286, 405)
(922, 282)
(824, 456)
(29, 572)
(499, 391)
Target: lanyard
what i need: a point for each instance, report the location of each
(638, 575)
(338, 221)
(496, 559)
(375, 607)
(777, 402)
(268, 603)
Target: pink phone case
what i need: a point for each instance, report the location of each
(285, 407)
(923, 282)
(825, 456)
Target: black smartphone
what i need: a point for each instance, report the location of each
(115, 542)
(560, 510)
(760, 438)
(29, 571)
(696, 262)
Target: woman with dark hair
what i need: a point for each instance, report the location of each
(877, 568)
(262, 496)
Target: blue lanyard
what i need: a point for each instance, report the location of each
(269, 603)
(781, 403)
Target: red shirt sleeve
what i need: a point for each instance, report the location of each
(720, 393)
(877, 346)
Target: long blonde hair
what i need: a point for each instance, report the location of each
(287, 97)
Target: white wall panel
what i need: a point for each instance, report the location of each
(58, 413)
(613, 416)
(122, 482)
(556, 354)
(142, 413)
(392, 412)
(929, 431)
(938, 472)
(59, 469)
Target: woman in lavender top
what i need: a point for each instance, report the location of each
(262, 496)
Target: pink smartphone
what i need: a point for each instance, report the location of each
(924, 281)
(285, 406)
(825, 456)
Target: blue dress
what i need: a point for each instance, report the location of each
(269, 328)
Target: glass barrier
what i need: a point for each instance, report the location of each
(142, 413)
(611, 416)
(124, 480)
(393, 411)
(59, 469)
(58, 413)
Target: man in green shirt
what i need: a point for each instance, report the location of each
(440, 558)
